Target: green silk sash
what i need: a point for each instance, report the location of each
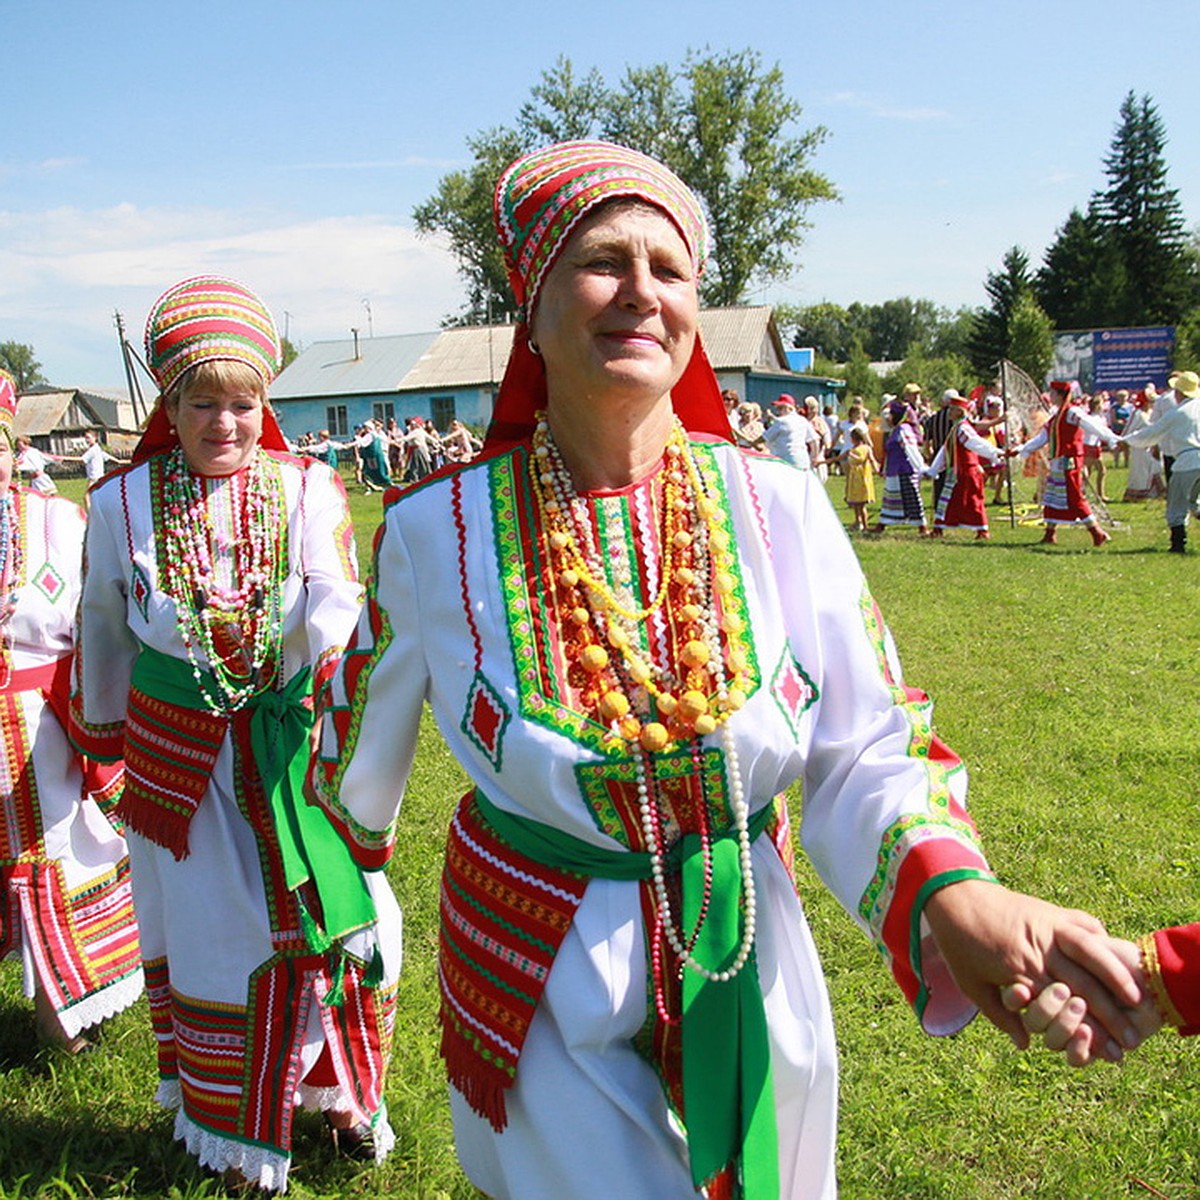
(310, 847)
(729, 1104)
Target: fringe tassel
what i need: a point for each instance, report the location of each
(317, 940)
(374, 975)
(336, 996)
(482, 1086)
(156, 824)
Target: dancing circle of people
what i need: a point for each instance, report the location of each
(211, 725)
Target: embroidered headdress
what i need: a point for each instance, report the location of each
(539, 201)
(208, 318)
(8, 405)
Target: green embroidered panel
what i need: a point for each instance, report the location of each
(543, 695)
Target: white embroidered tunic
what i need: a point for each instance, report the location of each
(451, 620)
(225, 963)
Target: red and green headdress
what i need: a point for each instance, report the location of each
(208, 318)
(539, 201)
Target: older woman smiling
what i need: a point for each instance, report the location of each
(645, 636)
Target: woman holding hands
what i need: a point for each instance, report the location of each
(644, 637)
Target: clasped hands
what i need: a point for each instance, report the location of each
(1032, 967)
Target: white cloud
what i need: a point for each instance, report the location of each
(64, 271)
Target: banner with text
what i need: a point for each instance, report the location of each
(1108, 359)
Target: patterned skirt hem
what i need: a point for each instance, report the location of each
(261, 1166)
(101, 1004)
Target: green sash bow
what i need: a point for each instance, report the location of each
(311, 849)
(729, 1103)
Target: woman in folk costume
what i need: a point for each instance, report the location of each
(66, 908)
(1145, 480)
(644, 636)
(903, 468)
(220, 588)
(1063, 501)
(960, 503)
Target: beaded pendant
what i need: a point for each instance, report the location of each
(651, 707)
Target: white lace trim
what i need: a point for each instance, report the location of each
(333, 1099)
(385, 1135)
(169, 1094)
(321, 1099)
(264, 1168)
(102, 1004)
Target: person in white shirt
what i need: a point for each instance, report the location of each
(32, 462)
(94, 457)
(791, 436)
(1178, 428)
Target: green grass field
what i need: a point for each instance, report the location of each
(1067, 679)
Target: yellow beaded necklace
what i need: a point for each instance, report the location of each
(640, 702)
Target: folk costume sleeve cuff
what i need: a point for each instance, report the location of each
(1171, 961)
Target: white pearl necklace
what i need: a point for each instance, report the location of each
(658, 875)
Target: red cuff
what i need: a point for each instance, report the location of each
(1179, 963)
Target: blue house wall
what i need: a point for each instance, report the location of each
(763, 389)
(472, 406)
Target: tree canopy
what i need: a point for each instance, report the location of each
(722, 121)
(885, 332)
(1014, 325)
(18, 360)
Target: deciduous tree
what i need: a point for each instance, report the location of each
(723, 122)
(1030, 338)
(18, 360)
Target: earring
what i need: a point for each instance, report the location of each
(535, 348)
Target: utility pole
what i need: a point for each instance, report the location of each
(131, 383)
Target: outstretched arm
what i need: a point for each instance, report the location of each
(994, 939)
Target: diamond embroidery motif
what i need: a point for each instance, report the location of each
(485, 719)
(49, 582)
(792, 690)
(139, 589)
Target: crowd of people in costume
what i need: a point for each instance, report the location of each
(647, 632)
(963, 446)
(384, 454)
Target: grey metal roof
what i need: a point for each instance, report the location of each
(472, 356)
(40, 412)
(741, 338)
(46, 410)
(331, 369)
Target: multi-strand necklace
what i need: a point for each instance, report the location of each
(650, 707)
(223, 567)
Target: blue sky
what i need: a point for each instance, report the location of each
(287, 144)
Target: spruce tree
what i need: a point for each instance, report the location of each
(1143, 219)
(1081, 275)
(990, 338)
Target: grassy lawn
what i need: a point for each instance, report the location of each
(1067, 679)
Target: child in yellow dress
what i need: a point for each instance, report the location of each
(861, 467)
